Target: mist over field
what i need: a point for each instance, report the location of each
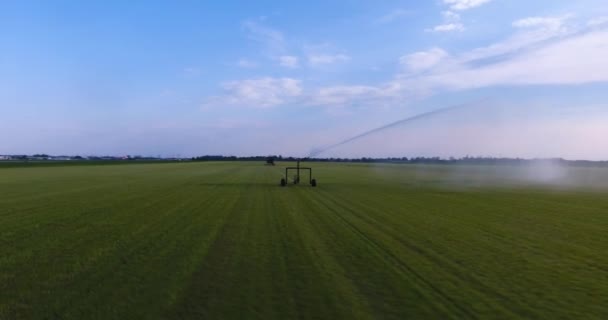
(539, 174)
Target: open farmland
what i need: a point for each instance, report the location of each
(223, 240)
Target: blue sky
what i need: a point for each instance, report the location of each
(283, 77)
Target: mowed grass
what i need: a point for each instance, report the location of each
(224, 241)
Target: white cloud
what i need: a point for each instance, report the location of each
(575, 60)
(393, 15)
(257, 93)
(460, 5)
(597, 21)
(531, 56)
(341, 95)
(359, 96)
(245, 63)
(272, 39)
(451, 22)
(448, 27)
(572, 60)
(553, 23)
(423, 60)
(289, 61)
(520, 41)
(319, 59)
(450, 16)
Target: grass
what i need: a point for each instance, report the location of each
(63, 163)
(224, 241)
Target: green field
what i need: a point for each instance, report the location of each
(224, 241)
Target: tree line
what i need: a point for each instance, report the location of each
(411, 160)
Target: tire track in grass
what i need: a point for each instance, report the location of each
(528, 227)
(236, 278)
(543, 253)
(302, 282)
(448, 267)
(384, 219)
(369, 274)
(336, 209)
(497, 239)
(289, 267)
(523, 305)
(341, 292)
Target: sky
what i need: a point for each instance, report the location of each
(187, 78)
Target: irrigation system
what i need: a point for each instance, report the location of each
(406, 121)
(296, 177)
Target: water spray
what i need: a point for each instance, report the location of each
(421, 116)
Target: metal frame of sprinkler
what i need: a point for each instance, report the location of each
(296, 178)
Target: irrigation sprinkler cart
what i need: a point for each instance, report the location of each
(296, 177)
